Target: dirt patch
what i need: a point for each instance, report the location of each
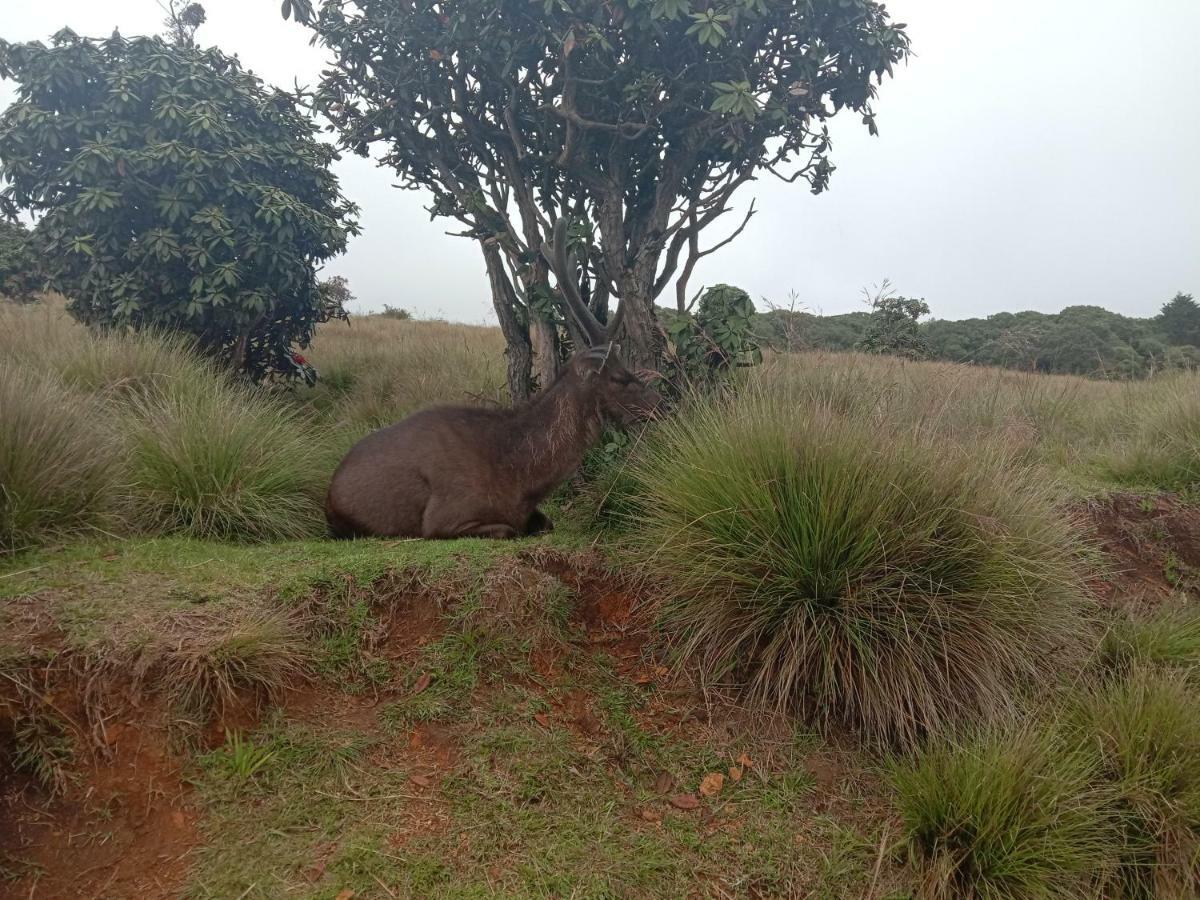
(125, 829)
(1153, 543)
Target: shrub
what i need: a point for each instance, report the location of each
(213, 459)
(174, 191)
(865, 578)
(19, 270)
(59, 466)
(1145, 732)
(1005, 814)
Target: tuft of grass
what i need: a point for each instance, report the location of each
(242, 758)
(1161, 446)
(1003, 814)
(868, 579)
(59, 466)
(1169, 639)
(120, 364)
(213, 459)
(1144, 731)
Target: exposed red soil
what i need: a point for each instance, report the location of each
(1153, 545)
(126, 830)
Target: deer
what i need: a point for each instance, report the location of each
(468, 471)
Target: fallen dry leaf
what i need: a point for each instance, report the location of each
(644, 678)
(649, 814)
(735, 774)
(345, 894)
(745, 761)
(711, 784)
(685, 801)
(435, 54)
(542, 719)
(420, 780)
(423, 682)
(663, 782)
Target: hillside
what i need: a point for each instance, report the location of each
(201, 696)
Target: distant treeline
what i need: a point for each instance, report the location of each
(1080, 340)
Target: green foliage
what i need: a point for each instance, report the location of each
(19, 278)
(217, 460)
(892, 327)
(1004, 814)
(797, 549)
(718, 338)
(1080, 340)
(640, 117)
(59, 465)
(1180, 320)
(1144, 731)
(175, 191)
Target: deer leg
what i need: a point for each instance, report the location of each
(450, 520)
(538, 523)
(492, 530)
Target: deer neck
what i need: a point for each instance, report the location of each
(554, 433)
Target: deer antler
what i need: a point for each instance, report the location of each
(562, 264)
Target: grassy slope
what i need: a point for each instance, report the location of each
(541, 755)
(527, 765)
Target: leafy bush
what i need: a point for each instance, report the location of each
(866, 578)
(1145, 732)
(59, 467)
(718, 338)
(1006, 814)
(19, 279)
(175, 191)
(214, 459)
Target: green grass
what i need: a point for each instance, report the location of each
(1010, 813)
(862, 576)
(60, 471)
(1169, 638)
(1144, 733)
(215, 460)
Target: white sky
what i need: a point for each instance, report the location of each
(1034, 154)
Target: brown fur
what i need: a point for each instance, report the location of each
(466, 471)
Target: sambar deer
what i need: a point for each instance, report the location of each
(462, 471)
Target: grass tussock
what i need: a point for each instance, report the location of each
(203, 664)
(217, 460)
(1144, 731)
(1167, 639)
(59, 464)
(1161, 448)
(869, 579)
(1012, 813)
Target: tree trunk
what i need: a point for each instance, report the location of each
(516, 334)
(544, 339)
(641, 342)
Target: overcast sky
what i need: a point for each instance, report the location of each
(1034, 154)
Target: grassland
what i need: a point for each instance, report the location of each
(724, 675)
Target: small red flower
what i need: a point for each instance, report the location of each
(299, 360)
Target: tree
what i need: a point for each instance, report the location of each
(634, 120)
(19, 271)
(182, 21)
(1180, 320)
(892, 327)
(175, 191)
